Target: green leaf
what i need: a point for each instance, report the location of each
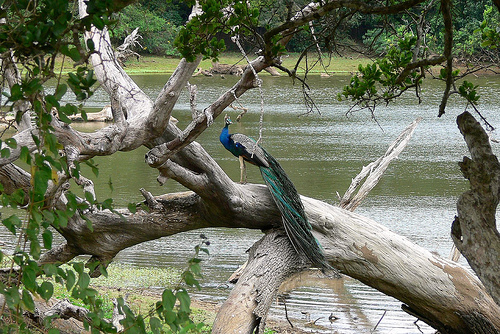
(60, 91)
(5, 153)
(47, 239)
(98, 22)
(74, 54)
(37, 217)
(50, 269)
(62, 116)
(48, 215)
(84, 115)
(90, 45)
(156, 325)
(132, 207)
(27, 301)
(103, 270)
(190, 280)
(46, 290)
(94, 168)
(84, 280)
(107, 204)
(70, 280)
(25, 155)
(168, 299)
(11, 142)
(89, 197)
(29, 278)
(12, 223)
(62, 218)
(170, 318)
(35, 249)
(51, 101)
(41, 182)
(16, 92)
(184, 300)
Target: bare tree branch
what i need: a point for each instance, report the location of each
(448, 45)
(374, 171)
(161, 153)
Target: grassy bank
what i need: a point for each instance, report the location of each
(141, 287)
(155, 64)
(167, 65)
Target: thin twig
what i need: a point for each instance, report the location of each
(286, 314)
(382, 317)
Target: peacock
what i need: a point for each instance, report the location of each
(283, 192)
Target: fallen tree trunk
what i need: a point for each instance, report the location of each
(440, 292)
(271, 260)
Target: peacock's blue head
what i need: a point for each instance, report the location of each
(227, 120)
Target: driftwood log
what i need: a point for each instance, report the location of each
(233, 69)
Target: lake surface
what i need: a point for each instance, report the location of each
(321, 154)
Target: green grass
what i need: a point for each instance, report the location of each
(141, 287)
(157, 64)
(127, 276)
(153, 64)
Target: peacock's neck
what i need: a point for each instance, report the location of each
(224, 137)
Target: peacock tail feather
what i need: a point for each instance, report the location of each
(295, 222)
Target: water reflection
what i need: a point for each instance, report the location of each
(321, 153)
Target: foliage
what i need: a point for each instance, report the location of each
(174, 307)
(403, 65)
(199, 36)
(467, 17)
(489, 29)
(381, 41)
(158, 33)
(34, 33)
(379, 33)
(382, 81)
(173, 11)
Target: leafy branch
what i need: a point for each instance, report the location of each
(174, 307)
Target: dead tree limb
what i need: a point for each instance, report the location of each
(271, 260)
(374, 171)
(474, 230)
(124, 51)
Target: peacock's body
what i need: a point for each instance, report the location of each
(282, 190)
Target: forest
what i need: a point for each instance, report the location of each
(53, 211)
(159, 22)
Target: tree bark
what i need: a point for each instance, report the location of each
(271, 260)
(474, 230)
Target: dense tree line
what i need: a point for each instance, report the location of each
(160, 21)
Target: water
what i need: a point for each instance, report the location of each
(321, 153)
